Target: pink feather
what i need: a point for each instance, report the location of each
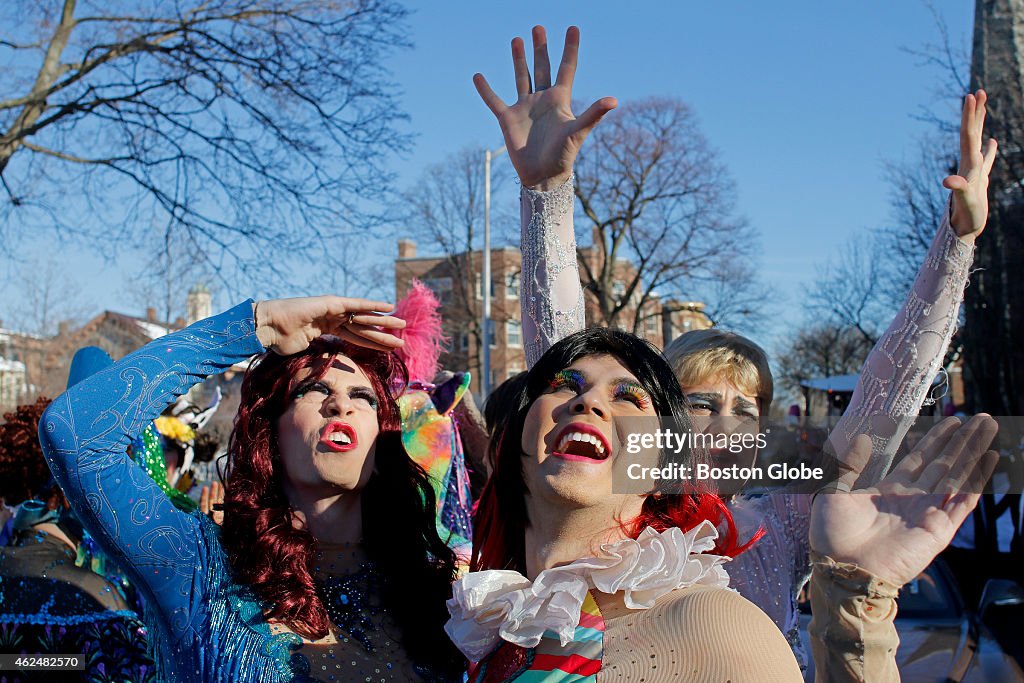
(424, 338)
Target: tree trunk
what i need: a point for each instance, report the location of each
(48, 74)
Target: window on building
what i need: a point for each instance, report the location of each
(441, 287)
(514, 333)
(618, 289)
(494, 285)
(492, 333)
(512, 286)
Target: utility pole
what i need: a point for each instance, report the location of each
(485, 277)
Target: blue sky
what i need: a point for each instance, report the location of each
(804, 101)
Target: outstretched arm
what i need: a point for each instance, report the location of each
(543, 137)
(868, 542)
(85, 433)
(898, 373)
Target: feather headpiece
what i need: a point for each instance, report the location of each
(423, 336)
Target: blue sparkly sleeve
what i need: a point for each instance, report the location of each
(85, 433)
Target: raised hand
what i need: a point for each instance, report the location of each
(895, 529)
(287, 326)
(970, 185)
(542, 135)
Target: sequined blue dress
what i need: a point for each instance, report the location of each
(204, 627)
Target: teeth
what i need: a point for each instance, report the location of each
(340, 437)
(579, 436)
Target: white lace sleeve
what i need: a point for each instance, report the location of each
(552, 298)
(898, 373)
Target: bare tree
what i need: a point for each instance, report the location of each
(917, 203)
(445, 209)
(950, 61)
(736, 298)
(165, 277)
(851, 292)
(241, 126)
(821, 350)
(47, 297)
(862, 287)
(652, 192)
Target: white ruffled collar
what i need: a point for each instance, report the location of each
(503, 604)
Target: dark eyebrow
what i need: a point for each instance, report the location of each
(344, 367)
(627, 380)
(741, 402)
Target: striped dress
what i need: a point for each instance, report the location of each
(550, 662)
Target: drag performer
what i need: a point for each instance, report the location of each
(550, 274)
(308, 579)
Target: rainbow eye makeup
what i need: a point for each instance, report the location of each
(632, 391)
(626, 388)
(570, 378)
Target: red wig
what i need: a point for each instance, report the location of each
(23, 470)
(275, 557)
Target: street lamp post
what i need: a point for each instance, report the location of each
(485, 277)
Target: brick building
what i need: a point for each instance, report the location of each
(37, 365)
(456, 281)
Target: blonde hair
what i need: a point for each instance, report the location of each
(701, 355)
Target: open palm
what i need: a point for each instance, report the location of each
(541, 133)
(896, 528)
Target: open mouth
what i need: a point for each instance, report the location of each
(339, 437)
(582, 442)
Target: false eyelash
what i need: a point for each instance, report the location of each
(635, 392)
(308, 386)
(370, 397)
(567, 377)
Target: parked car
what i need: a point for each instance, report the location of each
(940, 639)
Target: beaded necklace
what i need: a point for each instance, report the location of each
(353, 602)
(352, 597)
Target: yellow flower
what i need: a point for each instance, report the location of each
(174, 429)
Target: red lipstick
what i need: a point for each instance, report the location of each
(347, 440)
